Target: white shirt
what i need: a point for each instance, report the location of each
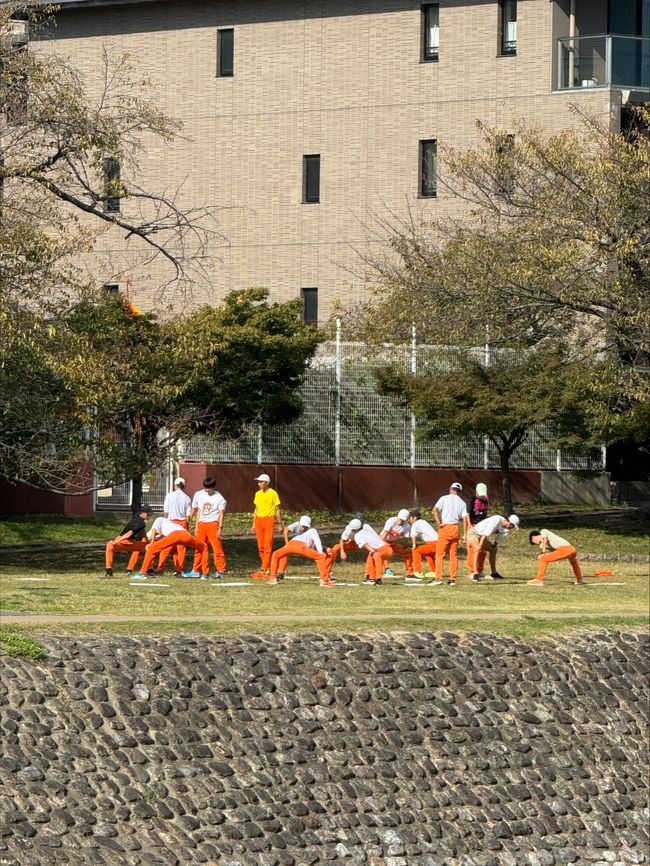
(163, 526)
(554, 541)
(422, 529)
(311, 538)
(210, 508)
(396, 530)
(492, 526)
(367, 535)
(177, 505)
(451, 508)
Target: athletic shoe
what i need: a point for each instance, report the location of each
(191, 574)
(219, 575)
(496, 576)
(451, 582)
(109, 572)
(378, 582)
(429, 573)
(205, 577)
(259, 575)
(139, 576)
(535, 582)
(413, 578)
(327, 583)
(152, 573)
(369, 580)
(178, 574)
(580, 582)
(280, 576)
(389, 572)
(436, 583)
(128, 572)
(478, 576)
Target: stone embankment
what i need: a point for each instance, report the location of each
(390, 750)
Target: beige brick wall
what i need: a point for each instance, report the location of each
(341, 79)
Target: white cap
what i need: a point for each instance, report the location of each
(514, 520)
(305, 520)
(481, 489)
(403, 514)
(178, 481)
(457, 485)
(355, 525)
(264, 477)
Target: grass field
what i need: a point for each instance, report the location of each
(69, 582)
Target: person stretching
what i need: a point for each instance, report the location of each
(484, 539)
(554, 548)
(166, 535)
(132, 538)
(397, 529)
(305, 543)
(422, 529)
(379, 552)
(345, 545)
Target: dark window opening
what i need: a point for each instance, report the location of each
(309, 306)
(430, 31)
(111, 288)
(226, 52)
(311, 179)
(112, 185)
(508, 26)
(428, 168)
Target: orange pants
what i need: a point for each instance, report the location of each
(336, 550)
(179, 553)
(134, 547)
(405, 552)
(448, 536)
(377, 560)
(169, 542)
(297, 548)
(566, 552)
(427, 550)
(207, 533)
(264, 533)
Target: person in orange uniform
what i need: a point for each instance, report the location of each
(379, 552)
(266, 513)
(346, 544)
(306, 542)
(132, 539)
(448, 511)
(166, 535)
(209, 506)
(177, 508)
(554, 548)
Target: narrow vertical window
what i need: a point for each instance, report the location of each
(430, 31)
(311, 178)
(226, 52)
(111, 185)
(428, 168)
(505, 170)
(508, 26)
(309, 306)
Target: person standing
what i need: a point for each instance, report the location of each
(305, 543)
(166, 535)
(177, 508)
(132, 539)
(209, 506)
(484, 538)
(448, 511)
(478, 504)
(423, 530)
(379, 553)
(554, 548)
(266, 513)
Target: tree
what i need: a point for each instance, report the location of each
(556, 247)
(502, 402)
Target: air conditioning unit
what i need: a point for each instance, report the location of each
(19, 33)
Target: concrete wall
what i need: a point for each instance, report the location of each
(565, 487)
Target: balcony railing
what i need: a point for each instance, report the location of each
(604, 61)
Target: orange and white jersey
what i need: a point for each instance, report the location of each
(311, 538)
(210, 506)
(367, 535)
(177, 505)
(163, 526)
(395, 530)
(422, 529)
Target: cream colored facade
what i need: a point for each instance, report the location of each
(337, 78)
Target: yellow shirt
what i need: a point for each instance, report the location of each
(266, 501)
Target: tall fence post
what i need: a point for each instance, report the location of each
(486, 441)
(337, 417)
(260, 442)
(414, 369)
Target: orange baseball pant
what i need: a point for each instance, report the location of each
(406, 553)
(377, 560)
(169, 542)
(448, 536)
(427, 550)
(179, 553)
(336, 550)
(566, 552)
(208, 534)
(298, 548)
(135, 548)
(264, 533)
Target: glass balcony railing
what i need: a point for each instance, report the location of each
(604, 61)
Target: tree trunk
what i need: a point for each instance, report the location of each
(136, 491)
(506, 488)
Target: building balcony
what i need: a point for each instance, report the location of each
(608, 60)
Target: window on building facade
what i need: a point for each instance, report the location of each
(111, 288)
(430, 31)
(311, 178)
(226, 52)
(505, 175)
(428, 167)
(508, 26)
(111, 185)
(309, 306)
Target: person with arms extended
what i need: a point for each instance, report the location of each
(305, 542)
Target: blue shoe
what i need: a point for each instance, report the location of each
(389, 572)
(191, 574)
(139, 576)
(219, 575)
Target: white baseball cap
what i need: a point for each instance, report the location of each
(305, 520)
(514, 520)
(179, 480)
(403, 514)
(457, 485)
(355, 525)
(264, 477)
